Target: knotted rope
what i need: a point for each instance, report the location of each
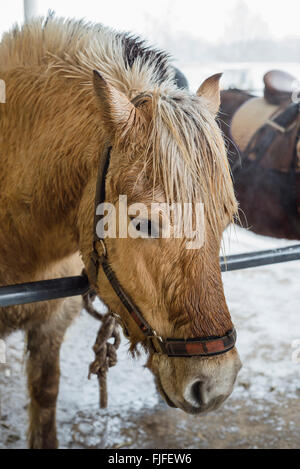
(105, 351)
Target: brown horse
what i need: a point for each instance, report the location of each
(266, 174)
(166, 146)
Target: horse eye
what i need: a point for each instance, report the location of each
(151, 230)
(145, 226)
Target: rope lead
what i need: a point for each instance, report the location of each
(105, 352)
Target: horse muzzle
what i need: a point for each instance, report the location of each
(196, 385)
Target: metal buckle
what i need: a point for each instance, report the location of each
(156, 343)
(95, 252)
(103, 247)
(122, 324)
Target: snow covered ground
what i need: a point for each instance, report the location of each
(263, 411)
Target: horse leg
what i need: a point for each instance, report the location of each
(43, 373)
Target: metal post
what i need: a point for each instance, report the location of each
(30, 9)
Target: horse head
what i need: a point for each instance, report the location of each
(167, 151)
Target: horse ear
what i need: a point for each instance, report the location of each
(210, 90)
(116, 109)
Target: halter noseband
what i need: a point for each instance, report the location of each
(201, 347)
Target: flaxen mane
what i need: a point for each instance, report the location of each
(185, 157)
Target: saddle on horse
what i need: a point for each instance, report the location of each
(278, 87)
(268, 133)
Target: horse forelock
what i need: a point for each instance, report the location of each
(186, 154)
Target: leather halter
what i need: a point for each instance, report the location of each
(201, 347)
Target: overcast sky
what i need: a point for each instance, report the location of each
(205, 19)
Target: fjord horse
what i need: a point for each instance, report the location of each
(268, 187)
(59, 119)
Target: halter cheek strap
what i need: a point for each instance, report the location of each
(200, 347)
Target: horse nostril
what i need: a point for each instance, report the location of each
(198, 392)
(202, 396)
(201, 392)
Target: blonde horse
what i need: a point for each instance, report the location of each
(55, 127)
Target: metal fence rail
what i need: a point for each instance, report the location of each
(260, 258)
(74, 286)
(43, 291)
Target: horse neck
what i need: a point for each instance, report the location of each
(55, 155)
